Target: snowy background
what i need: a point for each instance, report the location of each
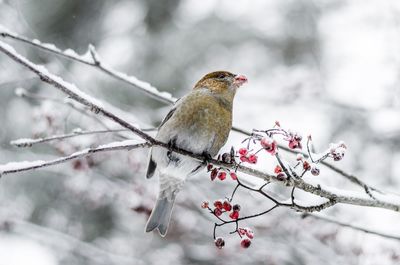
(330, 68)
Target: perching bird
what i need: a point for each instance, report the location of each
(199, 122)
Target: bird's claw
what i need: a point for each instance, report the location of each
(207, 158)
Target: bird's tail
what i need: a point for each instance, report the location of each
(161, 215)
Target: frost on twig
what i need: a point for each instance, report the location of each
(14, 167)
(86, 100)
(332, 196)
(153, 92)
(93, 59)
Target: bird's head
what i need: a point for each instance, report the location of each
(221, 83)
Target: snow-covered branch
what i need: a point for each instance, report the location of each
(92, 58)
(334, 195)
(15, 167)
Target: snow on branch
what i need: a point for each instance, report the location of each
(15, 167)
(92, 58)
(96, 106)
(332, 196)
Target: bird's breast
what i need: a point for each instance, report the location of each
(200, 124)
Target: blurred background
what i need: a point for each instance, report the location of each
(330, 68)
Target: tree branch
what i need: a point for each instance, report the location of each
(28, 142)
(95, 61)
(16, 167)
(97, 107)
(355, 227)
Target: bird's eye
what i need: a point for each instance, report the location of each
(221, 76)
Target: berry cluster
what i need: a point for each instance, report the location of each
(220, 173)
(246, 156)
(223, 206)
(259, 141)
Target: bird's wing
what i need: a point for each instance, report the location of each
(152, 164)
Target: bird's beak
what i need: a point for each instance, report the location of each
(240, 80)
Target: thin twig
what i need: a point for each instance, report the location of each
(16, 167)
(28, 142)
(355, 227)
(162, 96)
(96, 106)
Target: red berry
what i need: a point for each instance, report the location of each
(253, 159)
(245, 243)
(219, 242)
(293, 144)
(218, 204)
(243, 151)
(233, 175)
(269, 145)
(242, 231)
(217, 212)
(278, 169)
(222, 175)
(209, 167)
(243, 158)
(249, 233)
(214, 174)
(234, 215)
(204, 205)
(227, 206)
(306, 165)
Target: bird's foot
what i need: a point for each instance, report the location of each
(207, 158)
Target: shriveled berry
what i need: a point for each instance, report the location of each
(293, 144)
(269, 145)
(217, 212)
(244, 158)
(219, 242)
(245, 243)
(204, 205)
(234, 215)
(243, 151)
(233, 175)
(236, 207)
(299, 157)
(226, 157)
(214, 174)
(242, 231)
(209, 167)
(227, 206)
(252, 159)
(222, 175)
(249, 233)
(281, 176)
(315, 170)
(218, 204)
(278, 169)
(306, 165)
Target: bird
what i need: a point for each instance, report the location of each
(200, 123)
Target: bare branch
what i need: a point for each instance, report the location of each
(161, 96)
(355, 227)
(94, 60)
(28, 142)
(16, 167)
(72, 91)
